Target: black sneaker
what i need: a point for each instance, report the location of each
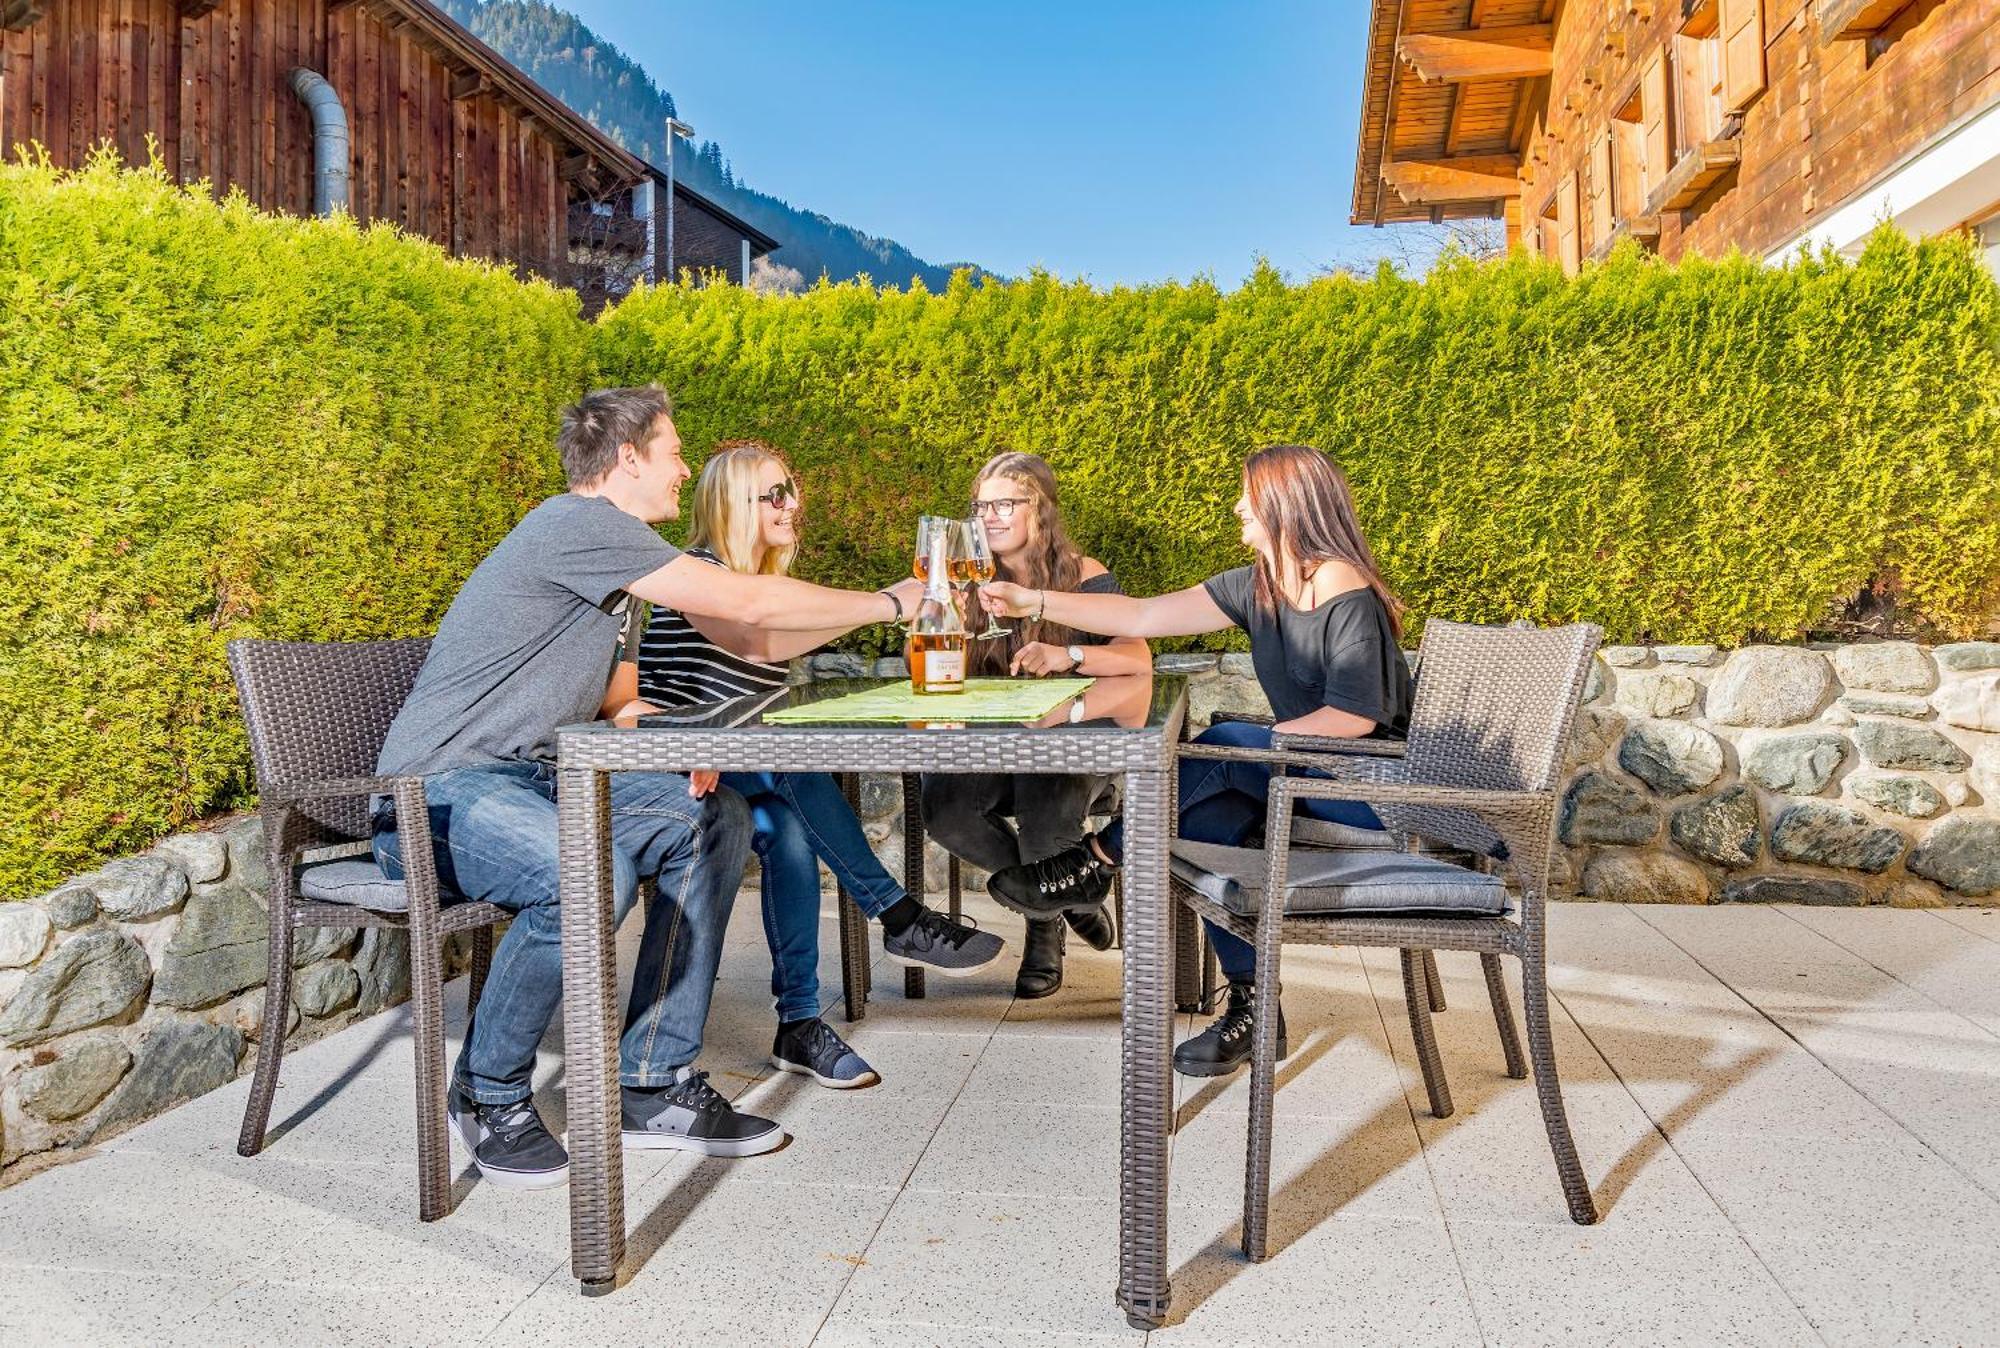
(811, 1048)
(1094, 926)
(942, 946)
(1225, 1045)
(1073, 880)
(510, 1144)
(691, 1115)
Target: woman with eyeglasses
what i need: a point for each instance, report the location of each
(998, 820)
(1323, 628)
(746, 518)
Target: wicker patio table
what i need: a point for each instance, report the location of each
(1128, 727)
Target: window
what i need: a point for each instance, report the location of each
(1602, 217)
(1655, 124)
(1698, 86)
(1567, 251)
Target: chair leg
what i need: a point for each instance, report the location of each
(1503, 1016)
(1548, 1089)
(1436, 983)
(913, 865)
(1188, 943)
(1211, 972)
(955, 889)
(427, 1006)
(1118, 911)
(1263, 1089)
(853, 928)
(482, 962)
(271, 1039)
(1416, 997)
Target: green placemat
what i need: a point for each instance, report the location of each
(982, 700)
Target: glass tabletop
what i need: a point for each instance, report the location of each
(1118, 703)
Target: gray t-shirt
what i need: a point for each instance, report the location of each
(528, 644)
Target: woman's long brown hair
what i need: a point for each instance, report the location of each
(1049, 562)
(1302, 500)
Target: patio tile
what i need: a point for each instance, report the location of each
(842, 1332)
(1859, 1290)
(319, 1311)
(867, 1138)
(1919, 948)
(1574, 1285)
(1022, 1149)
(1320, 1168)
(1979, 921)
(68, 1305)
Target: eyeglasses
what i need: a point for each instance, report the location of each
(1001, 509)
(778, 495)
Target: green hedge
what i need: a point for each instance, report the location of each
(217, 423)
(1710, 452)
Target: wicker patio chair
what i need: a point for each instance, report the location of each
(1488, 734)
(317, 713)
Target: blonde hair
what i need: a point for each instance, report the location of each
(725, 507)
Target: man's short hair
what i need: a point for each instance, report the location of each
(594, 428)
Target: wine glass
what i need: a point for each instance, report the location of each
(980, 570)
(929, 527)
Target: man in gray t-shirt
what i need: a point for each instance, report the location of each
(528, 646)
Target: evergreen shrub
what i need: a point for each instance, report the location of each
(216, 423)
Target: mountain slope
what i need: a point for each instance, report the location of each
(593, 76)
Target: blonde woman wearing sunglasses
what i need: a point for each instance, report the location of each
(746, 518)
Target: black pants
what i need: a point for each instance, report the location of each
(996, 819)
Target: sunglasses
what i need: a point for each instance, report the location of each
(1001, 509)
(779, 495)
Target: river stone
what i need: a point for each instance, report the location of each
(1886, 666)
(1626, 657)
(221, 947)
(1912, 797)
(88, 980)
(1595, 682)
(839, 665)
(1659, 695)
(1644, 877)
(1593, 734)
(73, 1083)
(1887, 704)
(178, 1061)
(881, 795)
(326, 988)
(1672, 757)
(204, 856)
(1769, 686)
(24, 934)
(313, 944)
(1798, 765)
(1837, 715)
(1687, 655)
(1238, 664)
(1985, 774)
(70, 906)
(1598, 809)
(383, 964)
(1967, 655)
(1723, 830)
(1972, 703)
(1892, 744)
(1185, 662)
(136, 887)
(1832, 835)
(1816, 890)
(1961, 854)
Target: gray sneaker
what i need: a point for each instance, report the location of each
(691, 1115)
(936, 943)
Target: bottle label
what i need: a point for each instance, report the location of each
(941, 667)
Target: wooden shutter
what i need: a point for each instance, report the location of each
(1658, 152)
(1566, 235)
(1741, 28)
(1600, 189)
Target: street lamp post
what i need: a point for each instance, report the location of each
(675, 128)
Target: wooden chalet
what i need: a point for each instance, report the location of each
(443, 137)
(1761, 125)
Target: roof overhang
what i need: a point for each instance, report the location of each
(760, 242)
(1449, 94)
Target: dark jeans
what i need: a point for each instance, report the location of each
(1223, 802)
(494, 838)
(996, 819)
(799, 819)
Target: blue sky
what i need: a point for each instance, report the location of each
(1112, 139)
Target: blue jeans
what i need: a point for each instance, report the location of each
(493, 830)
(799, 819)
(1223, 802)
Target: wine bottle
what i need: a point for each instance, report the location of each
(936, 649)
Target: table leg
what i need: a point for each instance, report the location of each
(853, 927)
(1143, 1290)
(590, 1030)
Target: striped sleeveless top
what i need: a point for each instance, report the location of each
(679, 667)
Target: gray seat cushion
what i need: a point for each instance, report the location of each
(1339, 881)
(357, 882)
(1313, 832)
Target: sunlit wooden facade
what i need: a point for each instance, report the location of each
(1685, 124)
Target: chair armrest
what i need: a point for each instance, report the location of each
(1328, 744)
(1340, 766)
(335, 788)
(1521, 820)
(1242, 717)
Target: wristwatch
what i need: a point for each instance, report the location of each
(1075, 658)
(1076, 711)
